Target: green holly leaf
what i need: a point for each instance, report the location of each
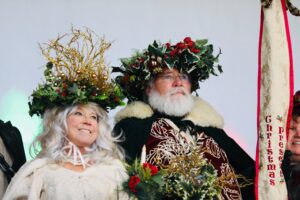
(155, 51)
(201, 43)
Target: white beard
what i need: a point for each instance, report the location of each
(172, 105)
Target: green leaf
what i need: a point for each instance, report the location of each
(117, 69)
(155, 51)
(158, 179)
(170, 62)
(102, 97)
(132, 78)
(220, 68)
(201, 42)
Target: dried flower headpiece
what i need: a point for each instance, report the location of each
(193, 57)
(75, 73)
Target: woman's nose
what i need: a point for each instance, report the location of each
(86, 120)
(298, 130)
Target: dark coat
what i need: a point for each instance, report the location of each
(136, 124)
(12, 140)
(292, 176)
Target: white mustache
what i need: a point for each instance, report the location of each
(176, 90)
(170, 105)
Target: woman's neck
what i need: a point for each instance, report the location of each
(77, 168)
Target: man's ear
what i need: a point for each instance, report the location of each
(148, 90)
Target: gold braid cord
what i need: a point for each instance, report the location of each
(266, 3)
(293, 9)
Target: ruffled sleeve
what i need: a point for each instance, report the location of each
(27, 183)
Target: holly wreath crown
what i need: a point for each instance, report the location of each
(192, 57)
(75, 73)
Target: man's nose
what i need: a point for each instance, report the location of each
(177, 81)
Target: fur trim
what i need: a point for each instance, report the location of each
(202, 114)
(136, 109)
(24, 172)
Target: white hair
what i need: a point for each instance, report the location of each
(174, 106)
(51, 141)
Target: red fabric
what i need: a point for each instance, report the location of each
(258, 101)
(288, 38)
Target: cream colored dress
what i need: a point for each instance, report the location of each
(41, 179)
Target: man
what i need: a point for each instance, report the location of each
(291, 163)
(168, 120)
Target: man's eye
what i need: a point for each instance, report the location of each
(169, 77)
(184, 77)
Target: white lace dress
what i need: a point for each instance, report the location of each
(39, 180)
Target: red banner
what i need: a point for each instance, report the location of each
(275, 90)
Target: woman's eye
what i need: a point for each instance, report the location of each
(78, 113)
(94, 117)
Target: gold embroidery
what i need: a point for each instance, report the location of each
(168, 141)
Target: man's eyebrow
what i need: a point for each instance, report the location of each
(167, 73)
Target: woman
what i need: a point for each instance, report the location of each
(76, 155)
(78, 158)
(291, 163)
(293, 143)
